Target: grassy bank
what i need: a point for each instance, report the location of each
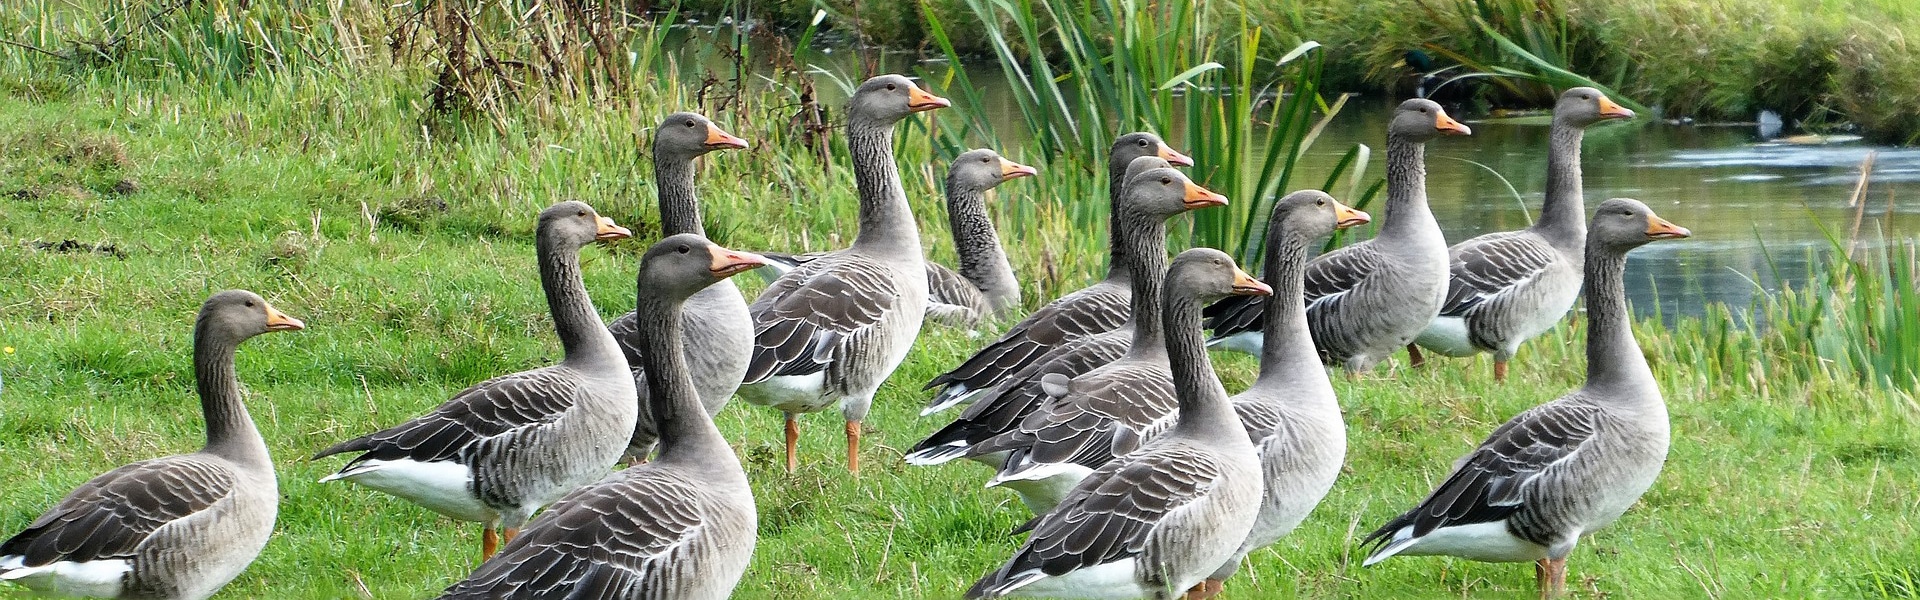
(320, 175)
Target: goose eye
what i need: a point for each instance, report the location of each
(985, 160)
(1319, 203)
(249, 304)
(683, 249)
(890, 87)
(1143, 143)
(581, 214)
(1166, 181)
(691, 124)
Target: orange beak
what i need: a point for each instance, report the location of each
(1014, 170)
(727, 263)
(918, 100)
(609, 231)
(719, 139)
(1246, 285)
(1347, 216)
(1609, 110)
(1199, 197)
(279, 321)
(1174, 157)
(1449, 126)
(1660, 229)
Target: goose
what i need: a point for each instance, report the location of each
(829, 332)
(681, 526)
(179, 526)
(1094, 309)
(1290, 412)
(1157, 521)
(1141, 231)
(1368, 300)
(1505, 288)
(1568, 467)
(1111, 409)
(985, 287)
(721, 339)
(498, 451)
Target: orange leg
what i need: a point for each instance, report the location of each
(1552, 577)
(793, 443)
(508, 534)
(489, 543)
(1206, 589)
(1415, 357)
(853, 447)
(1500, 371)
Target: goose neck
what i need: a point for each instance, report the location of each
(1407, 213)
(687, 435)
(1287, 351)
(1146, 239)
(886, 221)
(679, 206)
(1614, 359)
(982, 260)
(1563, 216)
(1118, 263)
(230, 430)
(1205, 412)
(582, 336)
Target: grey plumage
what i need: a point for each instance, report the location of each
(829, 332)
(503, 448)
(721, 332)
(1367, 300)
(1568, 467)
(679, 527)
(1507, 287)
(1002, 406)
(173, 527)
(1088, 311)
(1290, 412)
(1154, 522)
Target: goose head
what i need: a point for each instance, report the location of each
(1209, 275)
(1622, 224)
(240, 314)
(887, 99)
(685, 135)
(683, 264)
(575, 225)
(1312, 214)
(1583, 106)
(1420, 120)
(983, 169)
(1163, 192)
(1129, 147)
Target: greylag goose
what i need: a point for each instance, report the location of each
(1003, 406)
(985, 286)
(1111, 409)
(829, 332)
(1368, 300)
(1094, 309)
(1157, 521)
(179, 526)
(681, 526)
(721, 336)
(1505, 288)
(1568, 467)
(1290, 411)
(498, 451)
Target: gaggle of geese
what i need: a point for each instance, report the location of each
(1100, 409)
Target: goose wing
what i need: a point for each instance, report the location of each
(951, 298)
(1002, 407)
(1109, 413)
(1487, 485)
(1109, 516)
(1328, 279)
(1491, 265)
(494, 408)
(622, 538)
(109, 516)
(1095, 309)
(808, 317)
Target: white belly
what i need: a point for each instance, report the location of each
(439, 486)
(1105, 581)
(1487, 542)
(1245, 342)
(793, 394)
(1447, 335)
(94, 578)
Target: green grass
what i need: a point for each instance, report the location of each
(403, 238)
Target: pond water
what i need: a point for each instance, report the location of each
(1760, 211)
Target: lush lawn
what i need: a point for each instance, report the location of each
(407, 249)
